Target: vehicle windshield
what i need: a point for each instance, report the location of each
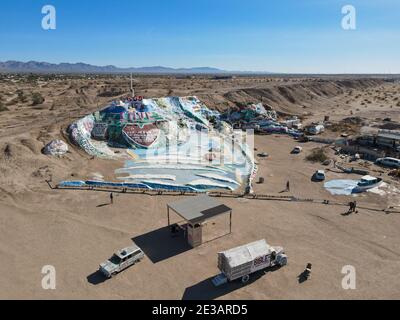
(367, 182)
(115, 259)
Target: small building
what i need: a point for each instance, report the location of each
(388, 138)
(386, 142)
(196, 211)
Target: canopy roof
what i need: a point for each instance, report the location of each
(198, 209)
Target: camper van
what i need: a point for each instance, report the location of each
(316, 129)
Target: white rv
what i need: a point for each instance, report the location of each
(316, 129)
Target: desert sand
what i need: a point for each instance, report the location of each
(76, 230)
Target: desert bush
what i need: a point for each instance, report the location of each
(21, 96)
(317, 155)
(32, 78)
(37, 98)
(111, 92)
(395, 173)
(3, 107)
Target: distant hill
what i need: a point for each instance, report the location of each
(45, 67)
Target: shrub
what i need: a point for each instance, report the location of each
(37, 98)
(32, 78)
(317, 155)
(395, 173)
(3, 107)
(20, 96)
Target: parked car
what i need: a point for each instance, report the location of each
(121, 260)
(297, 150)
(319, 175)
(389, 162)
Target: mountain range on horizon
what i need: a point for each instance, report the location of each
(45, 67)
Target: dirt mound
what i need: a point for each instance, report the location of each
(353, 120)
(32, 145)
(294, 98)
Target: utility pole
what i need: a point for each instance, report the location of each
(132, 90)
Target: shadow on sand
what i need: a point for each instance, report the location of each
(96, 278)
(103, 205)
(303, 277)
(205, 290)
(159, 245)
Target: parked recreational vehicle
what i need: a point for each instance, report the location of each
(316, 129)
(240, 262)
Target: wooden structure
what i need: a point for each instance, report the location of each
(196, 211)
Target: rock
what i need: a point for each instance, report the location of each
(327, 162)
(55, 148)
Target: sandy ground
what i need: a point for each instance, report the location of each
(76, 230)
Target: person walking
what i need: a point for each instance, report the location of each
(288, 186)
(350, 207)
(307, 271)
(111, 198)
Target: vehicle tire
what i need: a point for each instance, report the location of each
(245, 278)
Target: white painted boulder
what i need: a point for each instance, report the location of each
(55, 148)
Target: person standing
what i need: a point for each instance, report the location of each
(288, 186)
(355, 206)
(307, 271)
(111, 198)
(350, 207)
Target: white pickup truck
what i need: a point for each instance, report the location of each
(240, 262)
(121, 260)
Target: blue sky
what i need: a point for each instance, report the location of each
(299, 36)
